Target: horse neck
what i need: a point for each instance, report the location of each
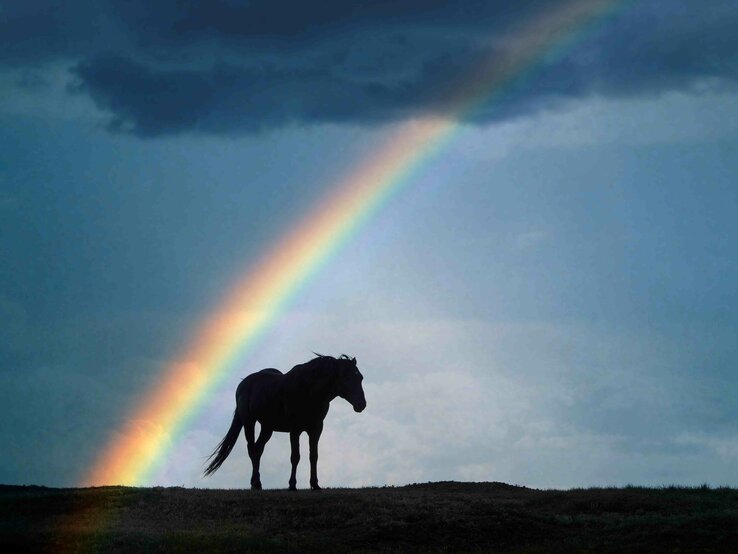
(327, 391)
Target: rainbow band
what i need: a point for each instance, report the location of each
(258, 299)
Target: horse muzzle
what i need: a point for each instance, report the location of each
(358, 408)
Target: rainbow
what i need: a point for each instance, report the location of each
(258, 299)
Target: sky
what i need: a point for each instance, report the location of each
(549, 301)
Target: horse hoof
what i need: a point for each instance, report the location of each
(293, 487)
(315, 487)
(256, 487)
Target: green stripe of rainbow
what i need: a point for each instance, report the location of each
(259, 298)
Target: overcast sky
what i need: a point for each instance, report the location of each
(551, 302)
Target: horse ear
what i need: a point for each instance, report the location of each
(353, 360)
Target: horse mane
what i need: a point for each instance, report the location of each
(321, 368)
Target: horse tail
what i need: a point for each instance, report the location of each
(225, 446)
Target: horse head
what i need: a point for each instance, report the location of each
(348, 383)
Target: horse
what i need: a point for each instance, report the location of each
(290, 402)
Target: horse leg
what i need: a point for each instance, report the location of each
(255, 453)
(248, 430)
(294, 458)
(314, 436)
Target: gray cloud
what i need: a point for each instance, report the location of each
(232, 67)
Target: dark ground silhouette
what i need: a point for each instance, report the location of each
(432, 517)
(292, 402)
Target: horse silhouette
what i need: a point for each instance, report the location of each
(290, 402)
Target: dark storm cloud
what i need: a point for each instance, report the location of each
(230, 67)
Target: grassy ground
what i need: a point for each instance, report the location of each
(435, 517)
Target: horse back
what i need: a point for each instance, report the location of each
(259, 395)
(261, 382)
